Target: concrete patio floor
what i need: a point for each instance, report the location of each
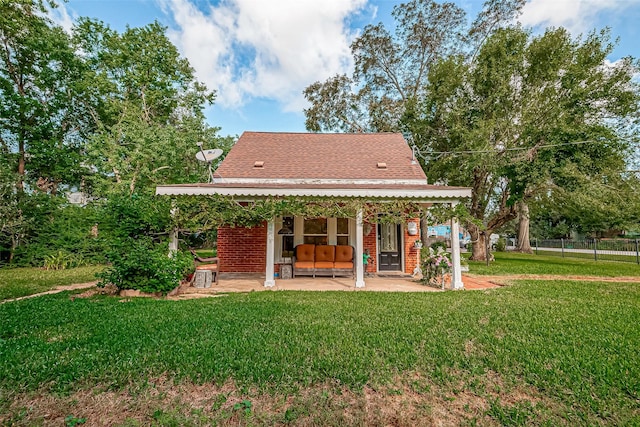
(387, 283)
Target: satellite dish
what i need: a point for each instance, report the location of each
(209, 155)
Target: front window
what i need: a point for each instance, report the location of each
(342, 231)
(315, 231)
(287, 233)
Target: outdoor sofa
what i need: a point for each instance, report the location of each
(323, 260)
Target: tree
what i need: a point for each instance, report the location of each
(147, 107)
(522, 114)
(39, 130)
(391, 68)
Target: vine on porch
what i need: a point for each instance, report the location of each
(210, 212)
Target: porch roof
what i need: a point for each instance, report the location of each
(415, 190)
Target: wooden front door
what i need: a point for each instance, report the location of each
(389, 247)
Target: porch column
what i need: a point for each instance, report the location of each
(456, 274)
(173, 242)
(269, 281)
(359, 251)
(173, 234)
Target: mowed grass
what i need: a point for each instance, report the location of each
(18, 282)
(507, 263)
(569, 350)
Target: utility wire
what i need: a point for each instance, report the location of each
(431, 154)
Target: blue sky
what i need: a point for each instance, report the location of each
(259, 55)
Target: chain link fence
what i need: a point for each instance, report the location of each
(626, 250)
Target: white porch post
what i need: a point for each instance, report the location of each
(173, 242)
(359, 251)
(456, 274)
(173, 234)
(269, 280)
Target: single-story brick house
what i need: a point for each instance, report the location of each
(368, 166)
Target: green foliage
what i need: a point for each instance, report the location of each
(55, 228)
(145, 266)
(73, 421)
(39, 98)
(147, 106)
(435, 263)
(392, 65)
(501, 244)
(135, 227)
(535, 338)
(62, 260)
(210, 212)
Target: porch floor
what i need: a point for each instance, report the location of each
(377, 283)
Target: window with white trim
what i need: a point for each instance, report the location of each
(342, 231)
(315, 231)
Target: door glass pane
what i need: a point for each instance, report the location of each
(388, 238)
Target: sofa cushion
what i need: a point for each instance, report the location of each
(305, 252)
(325, 253)
(323, 265)
(344, 253)
(304, 264)
(343, 265)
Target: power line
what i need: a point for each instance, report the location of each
(416, 150)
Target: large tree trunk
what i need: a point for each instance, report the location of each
(523, 228)
(478, 244)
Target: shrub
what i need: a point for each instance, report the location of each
(136, 228)
(501, 245)
(439, 245)
(145, 266)
(434, 264)
(62, 260)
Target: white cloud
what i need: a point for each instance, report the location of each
(60, 15)
(578, 16)
(257, 49)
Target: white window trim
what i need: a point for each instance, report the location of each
(298, 236)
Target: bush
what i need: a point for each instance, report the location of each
(440, 244)
(62, 260)
(501, 245)
(136, 228)
(53, 228)
(146, 267)
(435, 264)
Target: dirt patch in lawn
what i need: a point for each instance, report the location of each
(412, 400)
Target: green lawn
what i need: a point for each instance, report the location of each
(538, 352)
(18, 282)
(515, 263)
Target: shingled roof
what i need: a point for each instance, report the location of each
(374, 166)
(334, 156)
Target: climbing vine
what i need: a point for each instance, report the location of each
(210, 212)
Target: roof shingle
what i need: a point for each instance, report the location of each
(320, 156)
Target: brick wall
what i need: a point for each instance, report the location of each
(369, 242)
(242, 250)
(410, 251)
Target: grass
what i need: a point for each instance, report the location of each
(18, 282)
(515, 263)
(539, 352)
